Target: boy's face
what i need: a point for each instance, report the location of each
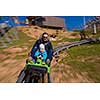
(41, 49)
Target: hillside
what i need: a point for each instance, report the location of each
(78, 64)
(75, 65)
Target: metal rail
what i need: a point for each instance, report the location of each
(67, 46)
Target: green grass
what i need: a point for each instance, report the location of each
(70, 39)
(85, 50)
(23, 40)
(85, 58)
(55, 43)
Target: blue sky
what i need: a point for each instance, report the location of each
(75, 22)
(71, 22)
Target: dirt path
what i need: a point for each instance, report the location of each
(10, 69)
(9, 66)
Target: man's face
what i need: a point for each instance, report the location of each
(45, 37)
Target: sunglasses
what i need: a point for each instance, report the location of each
(45, 36)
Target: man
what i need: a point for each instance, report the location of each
(48, 46)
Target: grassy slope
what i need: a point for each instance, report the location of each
(85, 58)
(23, 40)
(80, 59)
(65, 37)
(12, 63)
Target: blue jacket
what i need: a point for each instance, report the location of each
(44, 55)
(48, 48)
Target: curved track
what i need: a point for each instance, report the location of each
(67, 46)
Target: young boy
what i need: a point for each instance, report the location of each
(41, 53)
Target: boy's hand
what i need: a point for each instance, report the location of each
(37, 56)
(30, 58)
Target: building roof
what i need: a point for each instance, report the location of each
(54, 21)
(47, 21)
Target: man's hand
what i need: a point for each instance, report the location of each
(48, 61)
(30, 58)
(38, 57)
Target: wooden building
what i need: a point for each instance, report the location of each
(47, 21)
